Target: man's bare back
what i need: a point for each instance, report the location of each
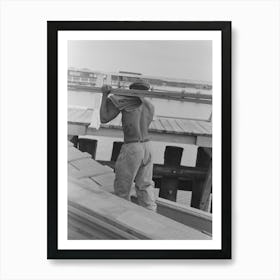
(135, 123)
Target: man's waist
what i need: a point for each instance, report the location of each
(136, 141)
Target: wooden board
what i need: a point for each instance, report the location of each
(89, 164)
(97, 179)
(189, 216)
(160, 170)
(83, 226)
(106, 181)
(76, 129)
(171, 95)
(204, 141)
(126, 216)
(93, 169)
(75, 154)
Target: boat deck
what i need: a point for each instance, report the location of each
(95, 213)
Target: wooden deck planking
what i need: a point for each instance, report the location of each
(75, 154)
(128, 216)
(197, 128)
(176, 128)
(189, 216)
(84, 167)
(106, 181)
(79, 115)
(206, 126)
(152, 126)
(158, 126)
(89, 182)
(90, 168)
(86, 227)
(189, 126)
(72, 171)
(165, 123)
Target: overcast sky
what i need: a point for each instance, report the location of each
(172, 59)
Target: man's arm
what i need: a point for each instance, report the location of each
(108, 110)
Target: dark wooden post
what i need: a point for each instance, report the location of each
(206, 190)
(88, 145)
(202, 187)
(75, 140)
(203, 158)
(169, 185)
(196, 192)
(116, 150)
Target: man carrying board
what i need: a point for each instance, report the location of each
(134, 163)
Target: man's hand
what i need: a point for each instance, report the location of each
(106, 89)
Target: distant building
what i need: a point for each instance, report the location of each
(123, 79)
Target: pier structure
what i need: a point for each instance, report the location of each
(193, 126)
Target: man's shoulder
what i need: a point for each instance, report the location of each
(147, 103)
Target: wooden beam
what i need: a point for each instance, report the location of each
(204, 141)
(172, 172)
(189, 216)
(169, 184)
(182, 171)
(84, 226)
(74, 154)
(170, 95)
(76, 129)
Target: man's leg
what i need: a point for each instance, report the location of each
(144, 183)
(126, 167)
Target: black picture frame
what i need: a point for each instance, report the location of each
(52, 102)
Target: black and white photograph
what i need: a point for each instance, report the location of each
(139, 140)
(135, 135)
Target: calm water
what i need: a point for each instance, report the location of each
(167, 108)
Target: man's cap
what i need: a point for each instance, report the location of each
(140, 84)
